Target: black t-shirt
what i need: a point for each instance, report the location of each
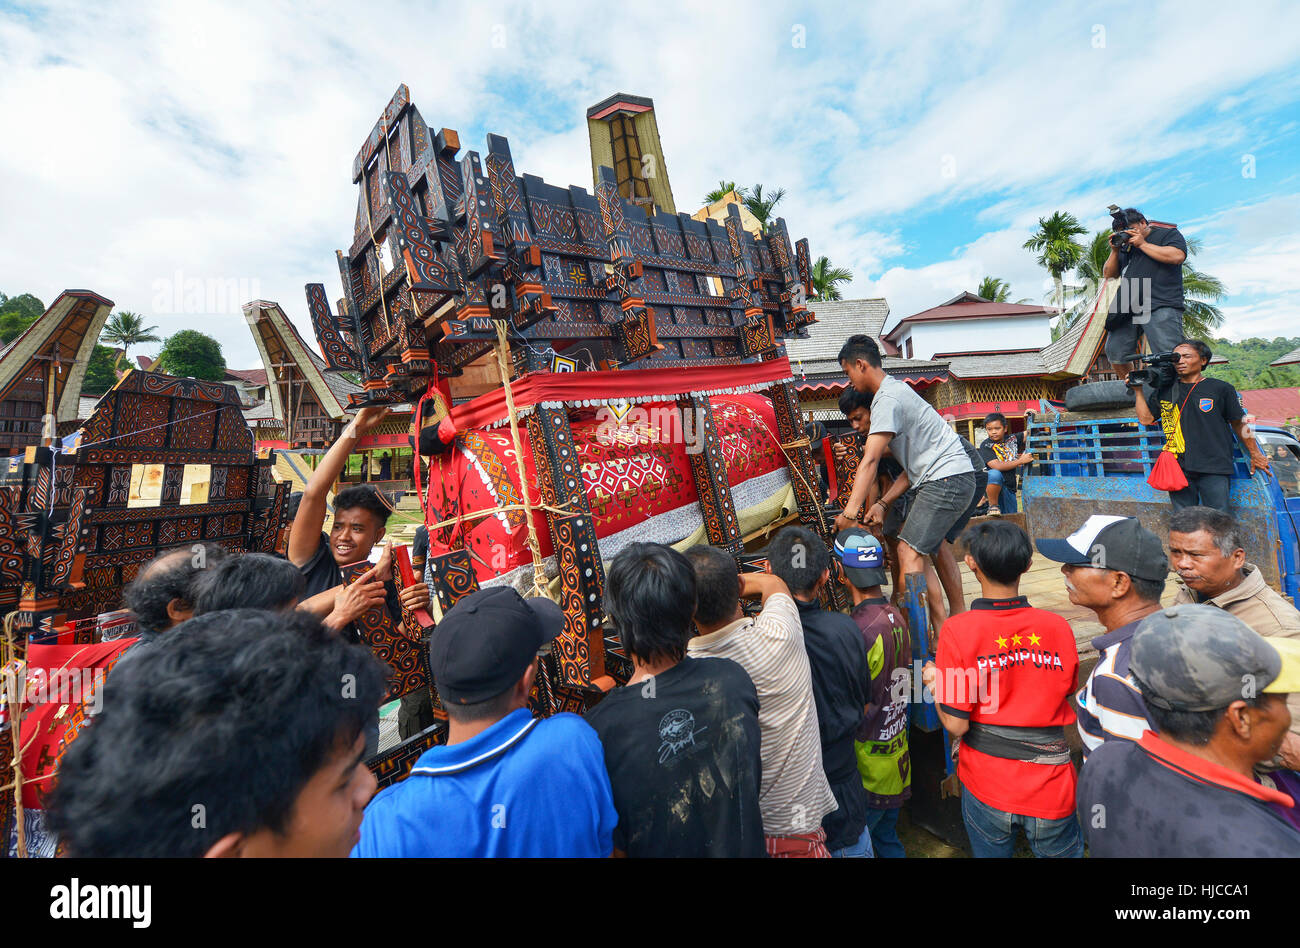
(1204, 420)
(420, 544)
(682, 751)
(1145, 278)
(841, 684)
(1008, 449)
(322, 573)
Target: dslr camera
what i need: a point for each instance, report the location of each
(1120, 221)
(1158, 370)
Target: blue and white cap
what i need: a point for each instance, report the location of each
(862, 557)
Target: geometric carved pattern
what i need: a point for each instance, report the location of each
(70, 542)
(581, 652)
(709, 468)
(578, 559)
(73, 572)
(395, 763)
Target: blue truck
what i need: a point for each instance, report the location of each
(1097, 462)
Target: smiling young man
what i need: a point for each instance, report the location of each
(1199, 415)
(229, 737)
(360, 519)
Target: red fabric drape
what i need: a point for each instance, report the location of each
(605, 386)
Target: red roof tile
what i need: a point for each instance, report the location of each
(1272, 405)
(252, 376)
(970, 306)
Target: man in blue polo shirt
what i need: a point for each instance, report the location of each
(506, 783)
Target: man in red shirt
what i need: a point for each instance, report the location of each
(1002, 678)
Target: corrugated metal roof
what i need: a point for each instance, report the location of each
(1291, 358)
(1276, 405)
(986, 365)
(836, 321)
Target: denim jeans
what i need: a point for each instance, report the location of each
(992, 832)
(1207, 490)
(882, 823)
(859, 850)
(936, 508)
(1006, 496)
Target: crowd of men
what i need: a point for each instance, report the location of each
(758, 720)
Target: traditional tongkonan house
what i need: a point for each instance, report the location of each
(41, 371)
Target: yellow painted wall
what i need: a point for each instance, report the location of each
(718, 212)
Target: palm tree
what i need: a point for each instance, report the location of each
(760, 206)
(996, 290)
(1057, 249)
(126, 329)
(722, 190)
(1089, 267)
(1200, 292)
(825, 276)
(993, 290)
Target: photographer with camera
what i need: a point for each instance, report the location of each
(1150, 299)
(1199, 415)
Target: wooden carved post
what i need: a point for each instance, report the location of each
(580, 651)
(805, 479)
(709, 467)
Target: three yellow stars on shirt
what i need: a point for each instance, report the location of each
(1017, 639)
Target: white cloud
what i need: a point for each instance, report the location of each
(216, 139)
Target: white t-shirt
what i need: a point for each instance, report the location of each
(923, 443)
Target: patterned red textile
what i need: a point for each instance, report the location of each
(636, 473)
(61, 681)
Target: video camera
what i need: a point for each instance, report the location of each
(1121, 221)
(1159, 373)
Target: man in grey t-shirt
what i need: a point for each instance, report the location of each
(941, 474)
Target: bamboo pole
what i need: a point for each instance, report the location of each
(534, 546)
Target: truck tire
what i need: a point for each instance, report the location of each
(1096, 395)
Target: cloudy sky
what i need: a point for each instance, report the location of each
(152, 149)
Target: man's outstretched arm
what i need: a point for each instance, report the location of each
(305, 536)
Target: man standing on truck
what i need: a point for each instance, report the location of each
(1199, 415)
(1152, 291)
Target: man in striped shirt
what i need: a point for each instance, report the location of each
(794, 794)
(1116, 568)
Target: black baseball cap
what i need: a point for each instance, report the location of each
(1199, 658)
(1118, 543)
(485, 641)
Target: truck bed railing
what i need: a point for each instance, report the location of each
(1069, 446)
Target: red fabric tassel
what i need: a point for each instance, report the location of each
(1167, 473)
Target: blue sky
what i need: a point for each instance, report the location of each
(209, 144)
